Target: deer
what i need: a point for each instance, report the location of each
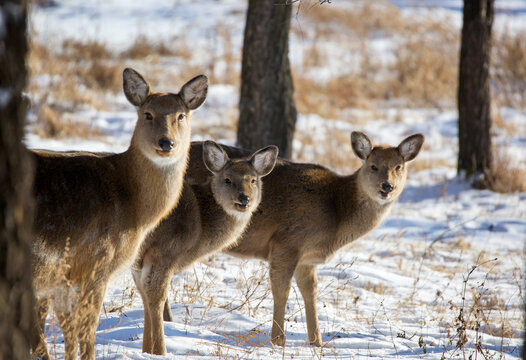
(309, 212)
(93, 210)
(208, 218)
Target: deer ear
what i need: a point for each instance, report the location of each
(194, 92)
(135, 87)
(361, 144)
(214, 157)
(265, 159)
(410, 147)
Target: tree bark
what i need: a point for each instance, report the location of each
(474, 122)
(267, 113)
(16, 294)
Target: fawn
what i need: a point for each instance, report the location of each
(209, 218)
(308, 213)
(94, 210)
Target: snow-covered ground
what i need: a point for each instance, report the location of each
(398, 292)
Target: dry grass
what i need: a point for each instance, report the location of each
(378, 288)
(509, 68)
(90, 50)
(75, 75)
(50, 124)
(508, 128)
(504, 176)
(423, 71)
(72, 82)
(427, 163)
(224, 62)
(103, 76)
(334, 152)
(143, 48)
(366, 19)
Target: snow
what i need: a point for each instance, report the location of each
(395, 293)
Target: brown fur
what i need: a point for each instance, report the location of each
(208, 218)
(308, 213)
(94, 210)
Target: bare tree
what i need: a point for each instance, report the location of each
(267, 114)
(474, 120)
(16, 294)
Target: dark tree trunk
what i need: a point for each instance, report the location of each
(267, 114)
(16, 294)
(474, 122)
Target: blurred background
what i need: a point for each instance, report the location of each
(355, 65)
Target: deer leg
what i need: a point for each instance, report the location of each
(67, 324)
(282, 266)
(307, 281)
(147, 332)
(147, 341)
(167, 312)
(89, 311)
(38, 338)
(66, 304)
(157, 291)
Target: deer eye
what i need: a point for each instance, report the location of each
(253, 181)
(374, 168)
(398, 167)
(180, 117)
(148, 116)
(228, 181)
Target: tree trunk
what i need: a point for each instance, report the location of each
(267, 114)
(16, 294)
(474, 122)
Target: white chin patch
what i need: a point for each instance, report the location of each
(162, 161)
(238, 215)
(382, 201)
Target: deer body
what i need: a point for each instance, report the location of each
(308, 213)
(94, 210)
(320, 210)
(208, 218)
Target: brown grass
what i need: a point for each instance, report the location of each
(311, 97)
(509, 67)
(68, 74)
(365, 19)
(423, 73)
(334, 152)
(425, 69)
(223, 63)
(509, 128)
(103, 76)
(379, 288)
(50, 124)
(90, 50)
(143, 48)
(504, 176)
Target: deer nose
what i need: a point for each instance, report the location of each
(387, 187)
(166, 144)
(243, 199)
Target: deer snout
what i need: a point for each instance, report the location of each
(243, 199)
(166, 144)
(387, 187)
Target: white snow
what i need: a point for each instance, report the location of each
(396, 293)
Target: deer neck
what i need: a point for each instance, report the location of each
(155, 186)
(358, 212)
(220, 227)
